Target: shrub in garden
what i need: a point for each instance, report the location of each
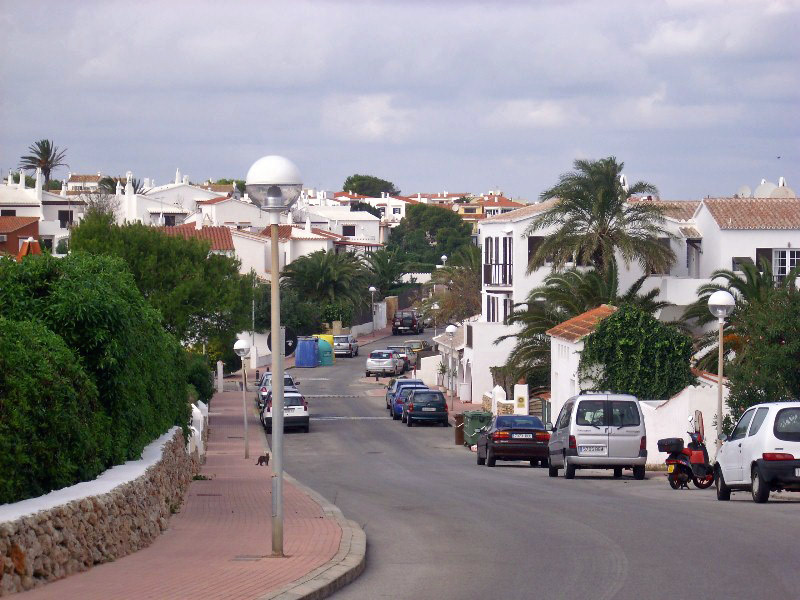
(199, 376)
(53, 432)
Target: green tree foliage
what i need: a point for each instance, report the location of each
(633, 353)
(357, 205)
(200, 295)
(92, 302)
(328, 277)
(367, 185)
(108, 185)
(44, 155)
(427, 232)
(52, 430)
(29, 181)
(240, 184)
(386, 269)
(199, 376)
(563, 296)
(767, 364)
(302, 316)
(462, 281)
(594, 219)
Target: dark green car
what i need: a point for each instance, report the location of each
(425, 406)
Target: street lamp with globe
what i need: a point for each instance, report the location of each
(273, 184)
(451, 330)
(444, 260)
(434, 308)
(242, 349)
(372, 291)
(721, 304)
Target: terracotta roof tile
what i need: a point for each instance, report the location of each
(216, 200)
(755, 213)
(680, 210)
(75, 178)
(690, 233)
(11, 224)
(218, 187)
(578, 327)
(28, 248)
(219, 236)
(521, 213)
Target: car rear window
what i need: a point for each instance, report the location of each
(379, 354)
(591, 412)
(405, 391)
(509, 422)
(293, 401)
(428, 396)
(397, 348)
(624, 413)
(787, 425)
(342, 339)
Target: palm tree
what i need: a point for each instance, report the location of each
(43, 155)
(386, 268)
(594, 220)
(563, 296)
(108, 185)
(752, 285)
(328, 277)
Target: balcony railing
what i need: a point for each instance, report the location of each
(498, 274)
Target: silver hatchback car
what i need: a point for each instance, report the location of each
(384, 362)
(599, 431)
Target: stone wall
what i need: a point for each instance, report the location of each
(72, 537)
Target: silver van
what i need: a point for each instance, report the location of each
(599, 430)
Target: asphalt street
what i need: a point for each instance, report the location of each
(439, 526)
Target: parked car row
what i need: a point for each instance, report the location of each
(394, 360)
(411, 401)
(295, 406)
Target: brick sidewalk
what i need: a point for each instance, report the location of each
(217, 545)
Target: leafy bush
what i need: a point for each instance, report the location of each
(633, 353)
(53, 432)
(92, 302)
(199, 376)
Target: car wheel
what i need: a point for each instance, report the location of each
(490, 459)
(723, 491)
(408, 420)
(569, 470)
(617, 471)
(551, 470)
(638, 472)
(403, 418)
(759, 487)
(307, 428)
(367, 373)
(481, 461)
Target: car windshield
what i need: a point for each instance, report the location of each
(415, 345)
(293, 400)
(787, 425)
(267, 381)
(624, 413)
(380, 354)
(428, 396)
(521, 422)
(340, 339)
(400, 349)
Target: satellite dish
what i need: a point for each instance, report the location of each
(765, 189)
(455, 208)
(783, 192)
(744, 192)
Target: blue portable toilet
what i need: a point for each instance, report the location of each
(325, 353)
(307, 354)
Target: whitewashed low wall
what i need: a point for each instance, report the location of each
(428, 370)
(380, 321)
(415, 277)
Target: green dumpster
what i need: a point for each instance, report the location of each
(325, 353)
(473, 421)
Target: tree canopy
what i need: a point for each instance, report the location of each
(386, 268)
(594, 220)
(363, 206)
(368, 185)
(44, 155)
(426, 233)
(461, 277)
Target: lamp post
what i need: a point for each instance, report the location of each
(721, 305)
(434, 307)
(372, 291)
(273, 184)
(242, 349)
(451, 330)
(444, 260)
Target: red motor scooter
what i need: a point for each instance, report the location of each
(691, 462)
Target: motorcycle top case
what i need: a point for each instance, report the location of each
(670, 445)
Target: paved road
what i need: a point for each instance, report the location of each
(438, 526)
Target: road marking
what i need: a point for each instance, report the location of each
(335, 418)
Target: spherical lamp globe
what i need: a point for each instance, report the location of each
(273, 183)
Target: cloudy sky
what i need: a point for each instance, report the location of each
(696, 97)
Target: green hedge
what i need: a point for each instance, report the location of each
(199, 376)
(52, 431)
(93, 305)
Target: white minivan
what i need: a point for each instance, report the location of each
(762, 453)
(599, 430)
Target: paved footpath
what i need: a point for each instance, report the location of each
(218, 545)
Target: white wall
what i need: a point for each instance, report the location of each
(485, 354)
(428, 370)
(252, 253)
(564, 359)
(380, 321)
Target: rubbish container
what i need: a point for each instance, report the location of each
(328, 338)
(473, 421)
(307, 352)
(458, 429)
(325, 353)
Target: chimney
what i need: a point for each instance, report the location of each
(781, 182)
(290, 218)
(10, 178)
(119, 188)
(38, 186)
(198, 224)
(21, 184)
(308, 223)
(63, 187)
(129, 175)
(177, 176)
(185, 179)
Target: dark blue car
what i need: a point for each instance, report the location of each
(425, 406)
(401, 397)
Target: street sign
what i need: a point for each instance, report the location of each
(289, 341)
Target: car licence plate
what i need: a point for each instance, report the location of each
(522, 436)
(592, 449)
(428, 409)
(797, 472)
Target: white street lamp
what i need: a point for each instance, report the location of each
(434, 307)
(372, 291)
(451, 330)
(273, 184)
(242, 349)
(444, 260)
(721, 305)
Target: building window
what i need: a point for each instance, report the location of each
(8, 212)
(169, 220)
(65, 218)
(498, 261)
(470, 211)
(349, 230)
(46, 243)
(395, 211)
(469, 336)
(784, 261)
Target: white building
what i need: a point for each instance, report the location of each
(354, 226)
(83, 183)
(180, 194)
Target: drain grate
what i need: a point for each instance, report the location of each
(209, 494)
(235, 437)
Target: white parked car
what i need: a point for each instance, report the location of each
(762, 453)
(599, 431)
(384, 362)
(295, 412)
